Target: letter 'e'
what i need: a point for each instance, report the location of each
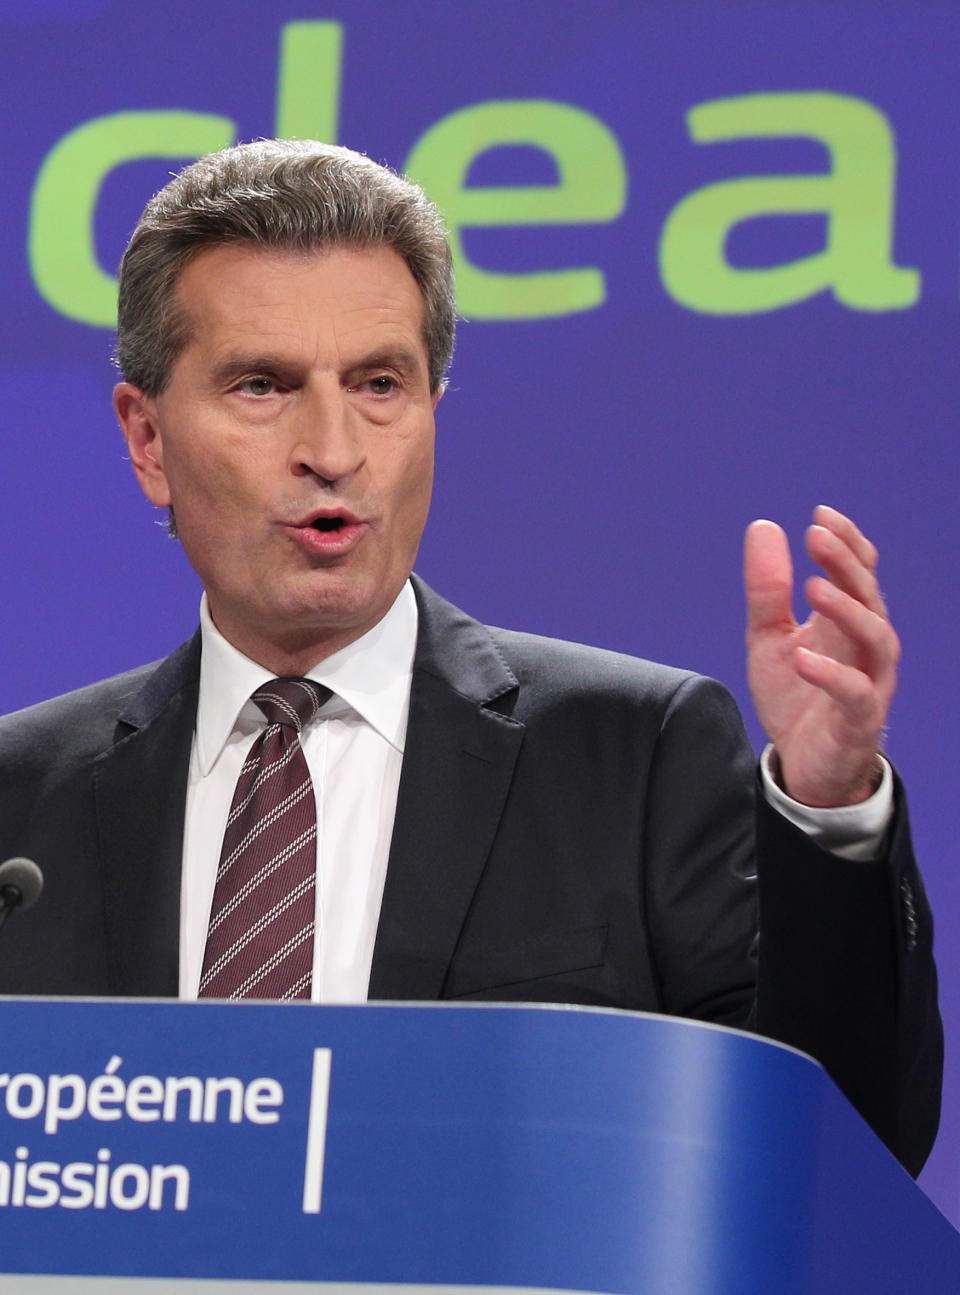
(591, 188)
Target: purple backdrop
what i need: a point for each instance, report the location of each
(596, 468)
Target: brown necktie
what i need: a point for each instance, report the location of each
(260, 939)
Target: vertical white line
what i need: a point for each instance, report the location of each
(316, 1131)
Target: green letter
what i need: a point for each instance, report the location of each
(308, 81)
(856, 195)
(62, 256)
(592, 187)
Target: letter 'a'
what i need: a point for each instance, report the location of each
(856, 195)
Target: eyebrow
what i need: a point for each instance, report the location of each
(231, 367)
(401, 358)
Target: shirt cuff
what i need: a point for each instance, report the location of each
(850, 831)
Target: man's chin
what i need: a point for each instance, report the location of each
(304, 621)
(334, 610)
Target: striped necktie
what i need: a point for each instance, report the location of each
(260, 938)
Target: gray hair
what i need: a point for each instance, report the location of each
(291, 195)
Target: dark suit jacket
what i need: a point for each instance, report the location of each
(572, 826)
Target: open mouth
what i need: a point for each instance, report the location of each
(332, 532)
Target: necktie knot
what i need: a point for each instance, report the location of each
(291, 702)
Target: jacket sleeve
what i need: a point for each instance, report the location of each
(754, 925)
(846, 973)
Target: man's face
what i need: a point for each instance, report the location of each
(294, 441)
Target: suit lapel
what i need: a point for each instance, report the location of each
(139, 791)
(457, 767)
(458, 764)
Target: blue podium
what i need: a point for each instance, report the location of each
(160, 1146)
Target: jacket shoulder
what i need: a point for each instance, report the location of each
(569, 683)
(78, 725)
(558, 664)
(61, 719)
(527, 673)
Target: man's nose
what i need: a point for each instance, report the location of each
(328, 442)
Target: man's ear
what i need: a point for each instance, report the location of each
(137, 416)
(438, 393)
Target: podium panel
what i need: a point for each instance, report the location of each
(212, 1147)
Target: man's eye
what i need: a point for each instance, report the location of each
(258, 386)
(381, 385)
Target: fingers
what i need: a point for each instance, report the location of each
(767, 577)
(875, 646)
(848, 686)
(847, 556)
(851, 628)
(846, 530)
(860, 709)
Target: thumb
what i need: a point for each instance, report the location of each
(767, 578)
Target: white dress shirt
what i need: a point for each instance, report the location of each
(354, 750)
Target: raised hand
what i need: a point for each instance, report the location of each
(821, 689)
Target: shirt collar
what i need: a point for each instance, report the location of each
(371, 676)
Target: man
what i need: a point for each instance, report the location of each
(475, 814)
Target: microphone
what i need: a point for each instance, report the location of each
(21, 882)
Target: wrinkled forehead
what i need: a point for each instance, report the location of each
(328, 303)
